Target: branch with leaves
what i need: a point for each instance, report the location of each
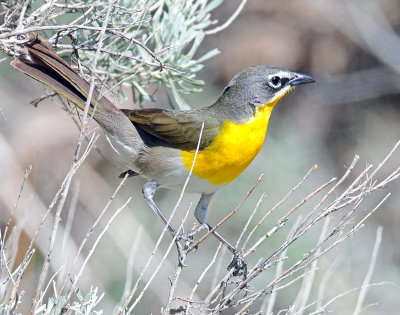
(147, 44)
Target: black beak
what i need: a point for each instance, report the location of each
(301, 78)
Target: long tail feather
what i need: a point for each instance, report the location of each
(48, 68)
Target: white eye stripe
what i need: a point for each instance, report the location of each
(281, 74)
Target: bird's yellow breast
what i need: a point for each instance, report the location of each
(232, 150)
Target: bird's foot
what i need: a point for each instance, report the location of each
(239, 265)
(188, 237)
(181, 253)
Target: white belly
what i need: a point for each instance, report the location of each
(164, 165)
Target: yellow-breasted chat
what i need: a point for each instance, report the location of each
(161, 144)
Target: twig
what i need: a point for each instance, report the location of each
(72, 170)
(29, 250)
(95, 245)
(368, 276)
(26, 175)
(212, 262)
(279, 203)
(91, 230)
(229, 215)
(175, 279)
(138, 281)
(284, 219)
(279, 267)
(249, 219)
(180, 265)
(347, 292)
(359, 188)
(324, 282)
(229, 21)
(129, 265)
(305, 290)
(68, 225)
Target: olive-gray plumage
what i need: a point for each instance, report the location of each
(248, 89)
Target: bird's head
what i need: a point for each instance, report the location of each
(262, 84)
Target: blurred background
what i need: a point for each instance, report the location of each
(351, 47)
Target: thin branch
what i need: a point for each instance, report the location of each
(229, 21)
(347, 292)
(212, 262)
(229, 215)
(79, 274)
(368, 276)
(71, 172)
(314, 168)
(130, 264)
(263, 195)
(91, 230)
(138, 281)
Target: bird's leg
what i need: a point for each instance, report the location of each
(201, 213)
(148, 192)
(238, 262)
(200, 216)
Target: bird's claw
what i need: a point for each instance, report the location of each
(239, 265)
(188, 237)
(181, 253)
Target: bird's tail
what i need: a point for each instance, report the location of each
(48, 68)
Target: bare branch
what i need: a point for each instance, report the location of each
(229, 21)
(368, 276)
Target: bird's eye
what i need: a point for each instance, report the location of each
(275, 81)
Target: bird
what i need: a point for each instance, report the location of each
(161, 145)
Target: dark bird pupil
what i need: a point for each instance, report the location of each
(275, 80)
